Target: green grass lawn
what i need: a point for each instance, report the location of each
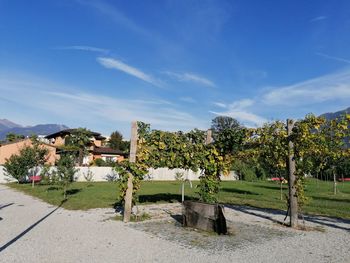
(261, 194)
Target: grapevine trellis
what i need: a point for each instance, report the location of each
(188, 151)
(288, 148)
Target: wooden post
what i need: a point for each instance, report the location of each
(209, 137)
(334, 181)
(293, 201)
(132, 159)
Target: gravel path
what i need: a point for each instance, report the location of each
(33, 231)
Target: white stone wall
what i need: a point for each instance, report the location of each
(101, 174)
(3, 177)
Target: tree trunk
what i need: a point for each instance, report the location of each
(132, 158)
(80, 158)
(293, 201)
(128, 200)
(34, 174)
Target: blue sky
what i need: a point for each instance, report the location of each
(173, 64)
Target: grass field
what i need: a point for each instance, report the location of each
(261, 194)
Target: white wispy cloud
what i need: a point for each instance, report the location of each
(114, 14)
(84, 48)
(75, 107)
(318, 18)
(333, 57)
(318, 95)
(190, 77)
(220, 104)
(111, 63)
(188, 99)
(242, 104)
(333, 87)
(240, 111)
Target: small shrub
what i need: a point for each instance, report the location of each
(248, 174)
(99, 162)
(47, 177)
(65, 172)
(261, 173)
(89, 175)
(112, 177)
(102, 163)
(179, 176)
(245, 171)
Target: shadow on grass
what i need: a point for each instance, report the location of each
(163, 197)
(274, 187)
(69, 191)
(238, 191)
(53, 188)
(73, 191)
(9, 243)
(331, 199)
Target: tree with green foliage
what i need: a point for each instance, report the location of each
(311, 136)
(187, 151)
(65, 172)
(228, 134)
(11, 137)
(328, 149)
(116, 142)
(343, 167)
(18, 166)
(79, 141)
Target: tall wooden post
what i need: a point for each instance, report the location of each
(293, 201)
(209, 137)
(132, 159)
(334, 180)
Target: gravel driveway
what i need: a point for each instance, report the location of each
(33, 231)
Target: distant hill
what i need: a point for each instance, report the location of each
(6, 124)
(41, 129)
(334, 115)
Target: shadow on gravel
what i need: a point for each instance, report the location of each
(326, 221)
(3, 206)
(254, 211)
(164, 197)
(178, 218)
(9, 243)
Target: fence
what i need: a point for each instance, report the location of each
(102, 174)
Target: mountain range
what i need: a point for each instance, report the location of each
(334, 115)
(7, 126)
